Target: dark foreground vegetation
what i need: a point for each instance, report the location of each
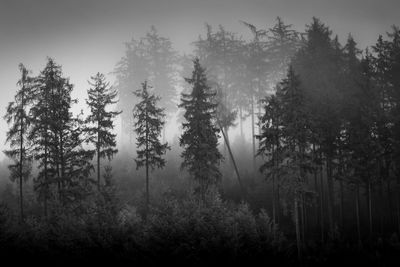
(317, 182)
(176, 230)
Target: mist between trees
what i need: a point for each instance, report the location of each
(314, 167)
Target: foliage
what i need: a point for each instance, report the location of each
(148, 125)
(99, 124)
(200, 137)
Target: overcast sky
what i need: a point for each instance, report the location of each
(87, 36)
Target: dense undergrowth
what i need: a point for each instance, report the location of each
(179, 230)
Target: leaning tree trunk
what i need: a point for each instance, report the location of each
(234, 163)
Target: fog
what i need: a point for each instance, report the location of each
(88, 36)
(212, 131)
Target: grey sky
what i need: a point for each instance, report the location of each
(87, 36)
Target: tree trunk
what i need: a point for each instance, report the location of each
(98, 167)
(316, 188)
(341, 205)
(273, 186)
(297, 224)
(58, 169)
(382, 206)
(390, 204)
(273, 200)
(278, 202)
(303, 217)
(234, 163)
(21, 159)
(398, 202)
(321, 204)
(358, 212)
(369, 204)
(147, 164)
(330, 196)
(147, 186)
(98, 152)
(46, 181)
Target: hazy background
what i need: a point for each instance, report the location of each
(87, 36)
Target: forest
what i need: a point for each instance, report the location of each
(283, 149)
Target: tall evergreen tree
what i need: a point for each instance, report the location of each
(100, 120)
(319, 66)
(270, 147)
(17, 115)
(286, 132)
(148, 126)
(200, 137)
(63, 164)
(42, 134)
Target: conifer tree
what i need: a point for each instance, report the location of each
(17, 115)
(200, 137)
(148, 126)
(63, 164)
(100, 120)
(42, 134)
(286, 132)
(319, 66)
(270, 145)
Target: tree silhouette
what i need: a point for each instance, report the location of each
(17, 115)
(148, 126)
(100, 120)
(200, 137)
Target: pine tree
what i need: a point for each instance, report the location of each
(200, 137)
(148, 126)
(100, 120)
(319, 65)
(286, 133)
(63, 163)
(42, 134)
(17, 115)
(296, 132)
(270, 148)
